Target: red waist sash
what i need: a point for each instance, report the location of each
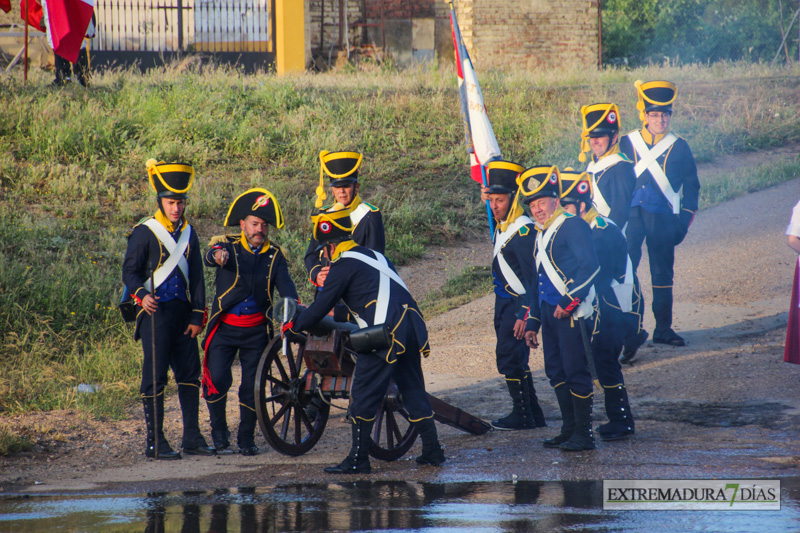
(244, 321)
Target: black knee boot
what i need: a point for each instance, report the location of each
(618, 410)
(432, 452)
(357, 462)
(245, 437)
(81, 67)
(193, 441)
(533, 401)
(662, 311)
(520, 416)
(582, 437)
(154, 420)
(564, 397)
(220, 435)
(63, 71)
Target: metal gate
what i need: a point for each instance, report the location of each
(150, 32)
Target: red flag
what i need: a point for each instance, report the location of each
(791, 353)
(67, 21)
(35, 13)
(5, 5)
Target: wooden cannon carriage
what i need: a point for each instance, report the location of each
(294, 391)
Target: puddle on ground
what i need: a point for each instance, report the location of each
(770, 415)
(529, 506)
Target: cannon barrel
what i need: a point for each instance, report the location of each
(328, 324)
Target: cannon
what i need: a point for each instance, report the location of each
(296, 382)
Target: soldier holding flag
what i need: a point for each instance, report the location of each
(512, 272)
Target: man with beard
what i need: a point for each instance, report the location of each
(249, 269)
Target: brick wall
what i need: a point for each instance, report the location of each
(330, 30)
(497, 33)
(531, 33)
(401, 9)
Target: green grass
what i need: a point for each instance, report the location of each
(72, 179)
(722, 186)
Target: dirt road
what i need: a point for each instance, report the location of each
(723, 406)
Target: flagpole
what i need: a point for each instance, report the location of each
(488, 207)
(458, 45)
(25, 69)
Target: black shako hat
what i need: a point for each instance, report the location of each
(341, 167)
(600, 120)
(332, 226)
(257, 202)
(654, 96)
(575, 187)
(170, 180)
(501, 176)
(539, 182)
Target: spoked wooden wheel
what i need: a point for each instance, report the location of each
(393, 434)
(282, 403)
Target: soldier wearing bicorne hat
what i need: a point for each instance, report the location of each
(561, 298)
(165, 248)
(342, 169)
(249, 268)
(616, 288)
(512, 272)
(368, 283)
(664, 200)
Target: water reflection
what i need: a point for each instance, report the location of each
(377, 506)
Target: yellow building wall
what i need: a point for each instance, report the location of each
(290, 39)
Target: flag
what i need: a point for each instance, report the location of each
(5, 5)
(67, 22)
(791, 353)
(35, 13)
(481, 143)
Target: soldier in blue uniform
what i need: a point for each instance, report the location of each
(614, 286)
(165, 247)
(342, 169)
(613, 182)
(612, 174)
(378, 298)
(562, 297)
(249, 268)
(665, 199)
(512, 273)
